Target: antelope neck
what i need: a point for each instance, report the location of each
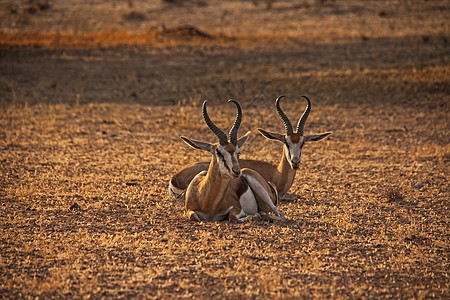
(287, 174)
(215, 185)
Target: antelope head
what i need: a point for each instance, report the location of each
(225, 152)
(293, 141)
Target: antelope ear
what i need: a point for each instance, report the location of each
(271, 136)
(243, 139)
(316, 137)
(197, 144)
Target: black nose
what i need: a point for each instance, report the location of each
(236, 173)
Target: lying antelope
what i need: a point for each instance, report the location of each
(225, 191)
(281, 175)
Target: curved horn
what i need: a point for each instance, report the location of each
(237, 123)
(287, 123)
(217, 131)
(302, 120)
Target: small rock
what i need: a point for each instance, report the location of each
(133, 182)
(75, 206)
(418, 186)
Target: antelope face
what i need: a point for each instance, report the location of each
(293, 149)
(227, 158)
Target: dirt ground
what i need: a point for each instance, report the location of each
(94, 97)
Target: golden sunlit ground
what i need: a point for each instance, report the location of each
(94, 97)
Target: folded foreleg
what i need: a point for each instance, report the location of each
(265, 194)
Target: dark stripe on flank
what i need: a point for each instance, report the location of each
(242, 186)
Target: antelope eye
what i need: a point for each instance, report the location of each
(220, 155)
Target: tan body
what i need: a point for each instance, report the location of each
(210, 197)
(281, 175)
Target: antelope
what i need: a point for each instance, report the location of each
(281, 175)
(225, 191)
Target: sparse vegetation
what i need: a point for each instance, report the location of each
(394, 194)
(89, 137)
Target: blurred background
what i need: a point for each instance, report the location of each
(184, 50)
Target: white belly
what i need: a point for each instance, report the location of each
(248, 203)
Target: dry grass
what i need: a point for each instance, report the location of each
(89, 137)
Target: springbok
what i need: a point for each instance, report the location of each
(225, 191)
(281, 175)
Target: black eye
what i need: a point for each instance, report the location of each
(220, 155)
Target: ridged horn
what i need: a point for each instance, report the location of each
(237, 123)
(284, 118)
(217, 131)
(302, 120)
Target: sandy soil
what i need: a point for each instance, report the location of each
(94, 97)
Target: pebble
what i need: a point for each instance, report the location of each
(418, 186)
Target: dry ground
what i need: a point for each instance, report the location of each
(93, 101)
